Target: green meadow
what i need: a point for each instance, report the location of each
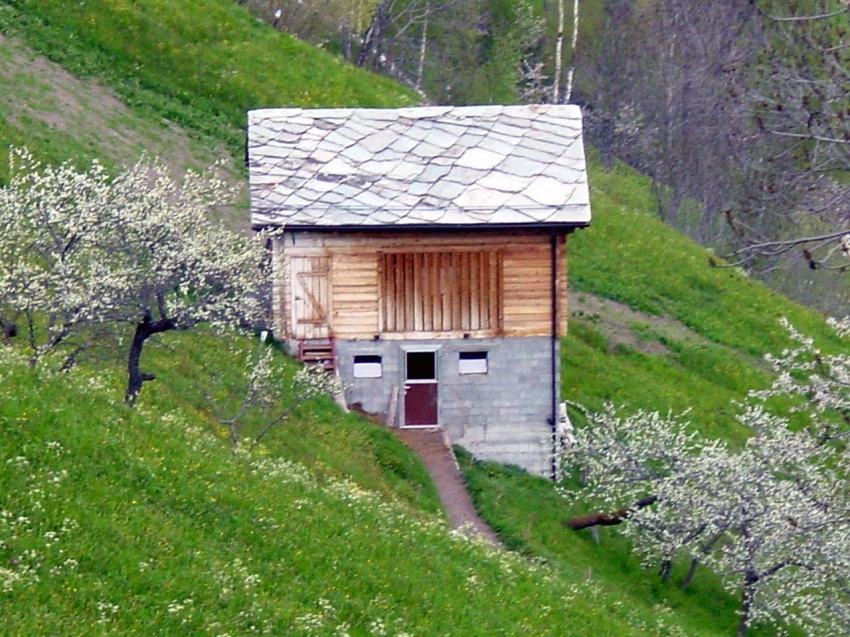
(144, 521)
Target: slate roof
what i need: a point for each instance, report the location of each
(420, 166)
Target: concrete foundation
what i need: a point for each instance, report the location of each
(502, 413)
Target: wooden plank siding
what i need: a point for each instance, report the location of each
(439, 291)
(430, 285)
(280, 289)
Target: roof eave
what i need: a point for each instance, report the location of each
(543, 225)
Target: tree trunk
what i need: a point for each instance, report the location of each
(559, 47)
(748, 595)
(423, 45)
(665, 570)
(571, 71)
(135, 376)
(372, 42)
(596, 519)
(692, 571)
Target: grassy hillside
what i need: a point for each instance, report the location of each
(143, 522)
(140, 522)
(725, 322)
(198, 64)
(693, 338)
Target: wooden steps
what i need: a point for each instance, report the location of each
(319, 351)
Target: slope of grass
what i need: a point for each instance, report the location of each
(318, 434)
(200, 64)
(528, 513)
(142, 521)
(704, 379)
(630, 256)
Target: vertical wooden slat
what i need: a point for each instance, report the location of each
(455, 284)
(422, 276)
(470, 285)
(408, 293)
(428, 292)
(490, 308)
(397, 299)
(425, 279)
(436, 292)
(393, 268)
(390, 297)
(445, 291)
(398, 268)
(465, 283)
(475, 290)
(387, 293)
(410, 325)
(496, 295)
(484, 299)
(417, 292)
(398, 291)
(383, 294)
(427, 308)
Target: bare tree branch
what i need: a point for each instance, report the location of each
(806, 18)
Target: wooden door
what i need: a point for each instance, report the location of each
(421, 404)
(311, 297)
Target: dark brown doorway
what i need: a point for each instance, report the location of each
(420, 389)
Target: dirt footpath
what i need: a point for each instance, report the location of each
(433, 447)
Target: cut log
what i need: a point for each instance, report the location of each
(608, 519)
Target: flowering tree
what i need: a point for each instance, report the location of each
(269, 393)
(771, 518)
(52, 277)
(821, 381)
(81, 252)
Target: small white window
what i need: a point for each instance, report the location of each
(472, 363)
(367, 366)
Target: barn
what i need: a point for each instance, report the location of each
(421, 253)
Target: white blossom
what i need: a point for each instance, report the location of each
(82, 253)
(772, 517)
(269, 393)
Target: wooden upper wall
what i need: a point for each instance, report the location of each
(501, 284)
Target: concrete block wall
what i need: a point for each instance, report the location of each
(503, 415)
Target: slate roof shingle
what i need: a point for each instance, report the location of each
(420, 166)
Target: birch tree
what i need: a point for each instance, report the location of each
(559, 54)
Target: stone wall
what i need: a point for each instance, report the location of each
(501, 415)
